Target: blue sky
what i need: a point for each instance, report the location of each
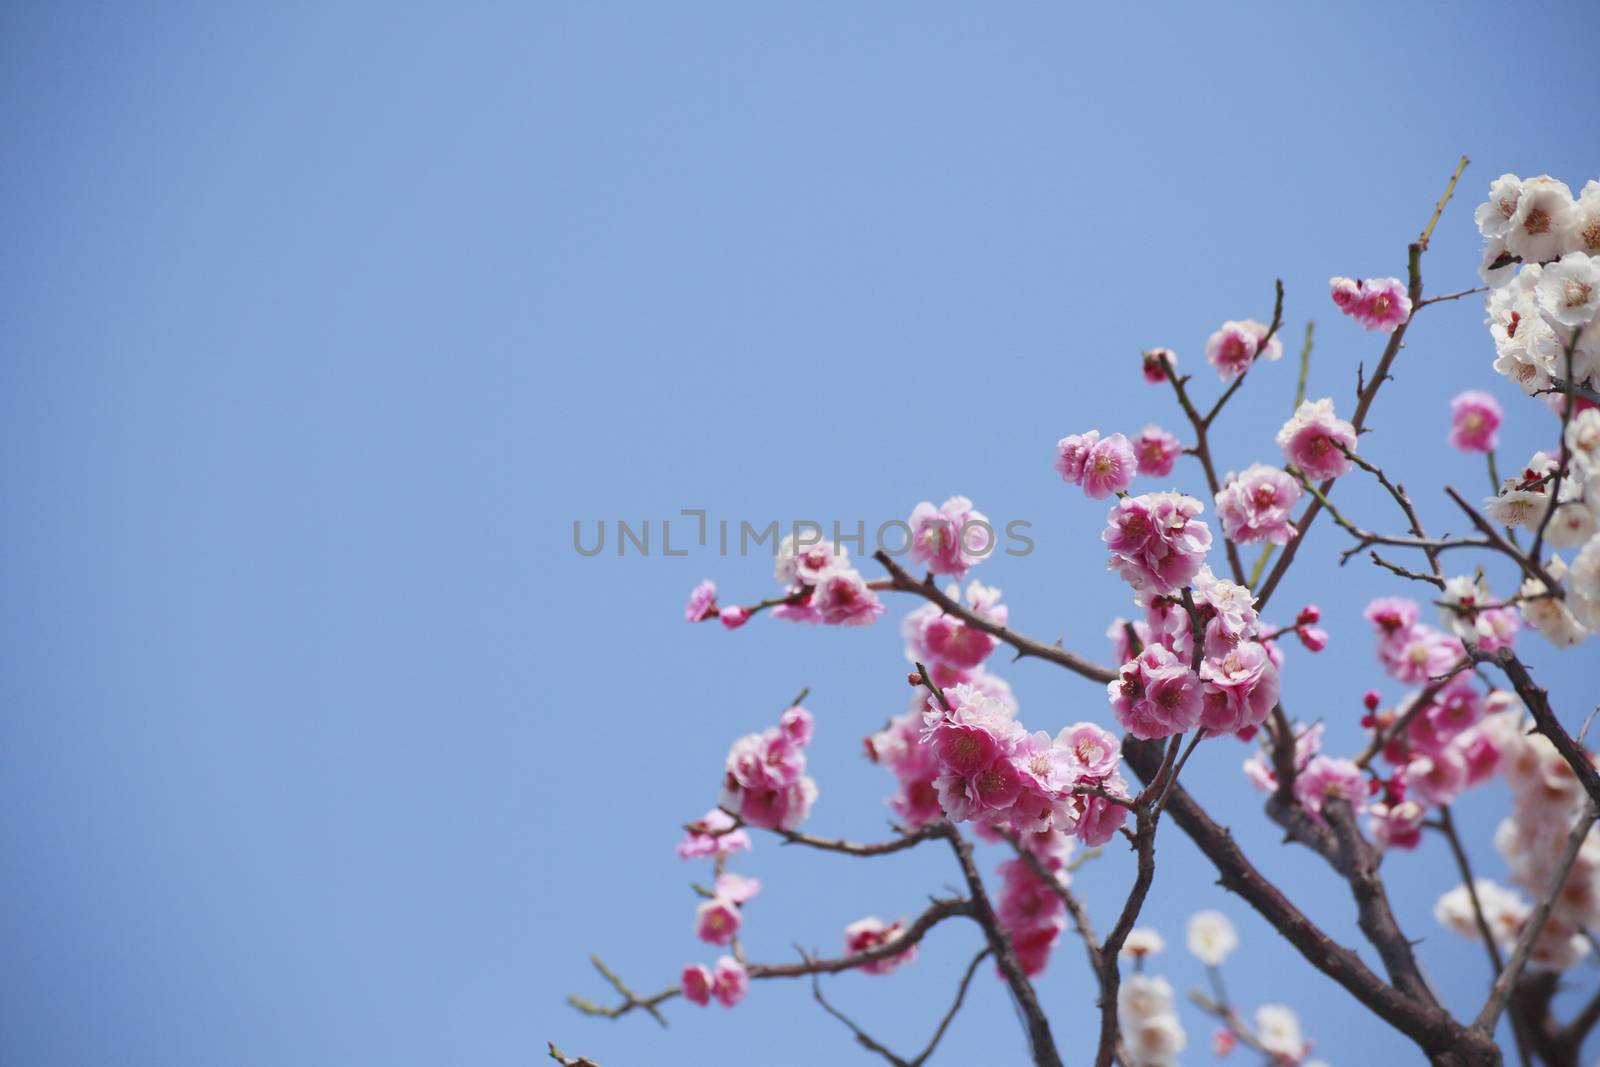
(324, 322)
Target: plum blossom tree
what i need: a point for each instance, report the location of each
(1196, 662)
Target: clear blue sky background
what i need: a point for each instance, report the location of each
(322, 323)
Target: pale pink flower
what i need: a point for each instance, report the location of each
(731, 983)
(717, 921)
(1327, 776)
(1254, 506)
(1396, 825)
(1072, 452)
(713, 835)
(1497, 628)
(1094, 750)
(843, 598)
(736, 888)
(1156, 364)
(797, 725)
(1109, 467)
(1156, 543)
(1346, 293)
(1223, 1041)
(1437, 778)
(1392, 615)
(697, 982)
(1383, 304)
(1155, 695)
(952, 538)
(1474, 421)
(1311, 440)
(1157, 450)
(702, 602)
(871, 932)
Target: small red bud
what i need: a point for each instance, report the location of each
(1370, 699)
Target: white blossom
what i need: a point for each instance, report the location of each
(1211, 937)
(1569, 289)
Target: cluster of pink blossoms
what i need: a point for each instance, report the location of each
(993, 772)
(728, 982)
(1031, 912)
(1411, 652)
(1314, 440)
(1380, 304)
(1107, 465)
(1156, 543)
(872, 932)
(1159, 693)
(947, 643)
(765, 783)
(952, 538)
(718, 919)
(713, 835)
(1236, 345)
(1255, 505)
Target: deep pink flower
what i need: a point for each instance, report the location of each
(965, 750)
(1255, 505)
(1156, 543)
(717, 921)
(1475, 418)
(1311, 440)
(1397, 825)
(1346, 293)
(697, 982)
(1235, 346)
(1156, 695)
(797, 725)
(952, 538)
(1157, 450)
(734, 616)
(1072, 452)
(1315, 638)
(842, 598)
(731, 983)
(1100, 818)
(1384, 304)
(1241, 689)
(871, 932)
(702, 602)
(1109, 467)
(1157, 361)
(1391, 614)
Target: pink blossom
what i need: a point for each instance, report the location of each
(843, 598)
(1456, 708)
(1391, 615)
(1497, 628)
(1094, 750)
(765, 781)
(732, 981)
(702, 602)
(1072, 452)
(1031, 914)
(952, 538)
(1156, 364)
(933, 637)
(713, 835)
(1437, 779)
(697, 982)
(1377, 303)
(736, 888)
(1397, 825)
(1327, 776)
(1109, 467)
(717, 921)
(1157, 450)
(1235, 346)
(1255, 505)
(1156, 543)
(1223, 1041)
(1100, 818)
(797, 725)
(1311, 440)
(1475, 418)
(1156, 695)
(734, 616)
(1419, 654)
(1241, 689)
(872, 932)
(1315, 638)
(1481, 754)
(899, 748)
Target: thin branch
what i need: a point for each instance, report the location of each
(1381, 739)
(1534, 925)
(1538, 703)
(871, 1044)
(1025, 646)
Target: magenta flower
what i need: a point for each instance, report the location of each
(697, 982)
(1156, 364)
(1311, 440)
(1475, 418)
(731, 983)
(1255, 505)
(734, 616)
(1157, 450)
(1380, 304)
(1156, 695)
(797, 725)
(717, 921)
(872, 932)
(1156, 544)
(1240, 689)
(1109, 467)
(952, 538)
(843, 598)
(1236, 345)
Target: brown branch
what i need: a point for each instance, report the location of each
(871, 1044)
(1538, 703)
(1025, 646)
(1110, 973)
(570, 1061)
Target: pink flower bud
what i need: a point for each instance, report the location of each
(1314, 638)
(1309, 615)
(734, 616)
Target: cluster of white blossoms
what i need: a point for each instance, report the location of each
(1151, 1033)
(1542, 264)
(1547, 799)
(1523, 500)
